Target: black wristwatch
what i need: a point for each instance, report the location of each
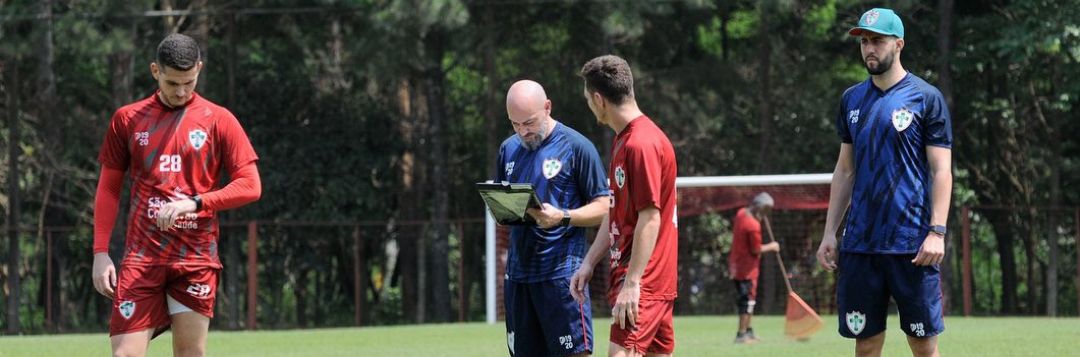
(938, 229)
(565, 217)
(198, 202)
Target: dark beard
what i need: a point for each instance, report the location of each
(884, 64)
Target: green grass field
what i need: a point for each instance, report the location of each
(696, 336)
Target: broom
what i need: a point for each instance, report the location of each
(801, 321)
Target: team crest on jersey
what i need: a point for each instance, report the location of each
(127, 308)
(870, 17)
(902, 118)
(620, 176)
(197, 138)
(855, 321)
(552, 168)
(509, 168)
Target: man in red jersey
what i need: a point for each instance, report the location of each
(744, 262)
(175, 145)
(640, 230)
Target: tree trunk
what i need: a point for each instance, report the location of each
(300, 293)
(1027, 235)
(14, 287)
(764, 102)
(439, 249)
(411, 198)
(1002, 223)
(944, 47)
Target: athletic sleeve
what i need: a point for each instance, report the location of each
(590, 173)
(106, 206)
(114, 148)
(234, 147)
(937, 122)
(245, 187)
(842, 129)
(238, 157)
(644, 175)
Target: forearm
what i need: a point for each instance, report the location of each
(839, 198)
(645, 234)
(600, 245)
(941, 196)
(246, 187)
(591, 214)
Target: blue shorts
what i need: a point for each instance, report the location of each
(866, 283)
(543, 319)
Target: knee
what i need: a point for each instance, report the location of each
(870, 346)
(189, 351)
(923, 347)
(127, 352)
(866, 349)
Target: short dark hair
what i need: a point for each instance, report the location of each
(178, 51)
(610, 75)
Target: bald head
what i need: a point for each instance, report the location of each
(525, 98)
(529, 110)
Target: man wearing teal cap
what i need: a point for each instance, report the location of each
(894, 180)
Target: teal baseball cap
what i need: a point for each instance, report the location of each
(882, 21)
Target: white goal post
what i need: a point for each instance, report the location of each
(680, 182)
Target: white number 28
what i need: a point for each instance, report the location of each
(169, 163)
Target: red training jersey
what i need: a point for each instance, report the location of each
(743, 263)
(642, 175)
(171, 154)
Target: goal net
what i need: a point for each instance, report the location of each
(706, 207)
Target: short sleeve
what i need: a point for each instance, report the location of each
(234, 146)
(937, 122)
(644, 173)
(842, 129)
(114, 152)
(590, 174)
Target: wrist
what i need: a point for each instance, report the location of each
(198, 202)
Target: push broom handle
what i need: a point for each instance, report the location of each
(768, 228)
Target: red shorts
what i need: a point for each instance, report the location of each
(140, 302)
(654, 332)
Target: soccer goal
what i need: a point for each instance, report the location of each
(706, 205)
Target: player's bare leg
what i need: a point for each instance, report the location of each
(189, 331)
(870, 346)
(132, 344)
(923, 346)
(615, 350)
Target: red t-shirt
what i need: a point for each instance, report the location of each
(173, 153)
(743, 263)
(642, 175)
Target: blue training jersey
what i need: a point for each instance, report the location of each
(566, 172)
(889, 132)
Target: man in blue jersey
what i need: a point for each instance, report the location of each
(894, 171)
(542, 317)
